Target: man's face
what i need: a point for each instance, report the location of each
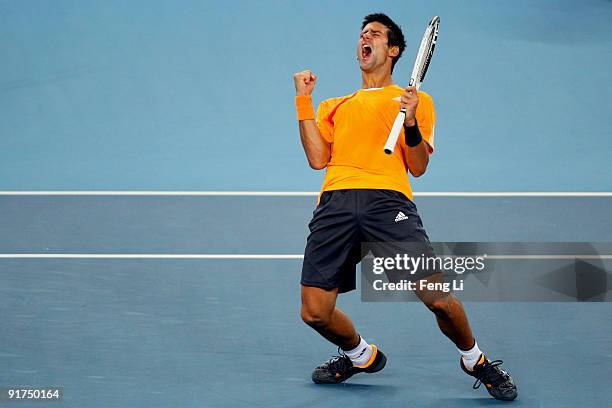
(372, 48)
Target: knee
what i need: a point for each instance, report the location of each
(440, 307)
(315, 318)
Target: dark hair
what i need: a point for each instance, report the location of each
(395, 37)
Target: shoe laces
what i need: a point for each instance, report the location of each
(341, 363)
(490, 373)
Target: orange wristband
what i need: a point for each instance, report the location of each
(303, 105)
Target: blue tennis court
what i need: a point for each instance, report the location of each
(226, 332)
(154, 198)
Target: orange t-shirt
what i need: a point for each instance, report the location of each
(357, 126)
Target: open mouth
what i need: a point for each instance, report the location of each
(366, 51)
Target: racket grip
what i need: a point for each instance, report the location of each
(395, 132)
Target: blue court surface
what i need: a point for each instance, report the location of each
(192, 300)
(227, 333)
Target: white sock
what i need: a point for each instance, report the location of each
(470, 357)
(361, 354)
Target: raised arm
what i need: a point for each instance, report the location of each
(317, 149)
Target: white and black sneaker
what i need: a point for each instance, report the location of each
(340, 368)
(498, 382)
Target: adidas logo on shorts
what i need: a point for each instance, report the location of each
(400, 217)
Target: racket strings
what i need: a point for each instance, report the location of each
(425, 53)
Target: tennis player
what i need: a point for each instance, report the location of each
(366, 197)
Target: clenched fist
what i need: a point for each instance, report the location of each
(409, 101)
(304, 82)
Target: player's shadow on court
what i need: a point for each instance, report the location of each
(483, 401)
(371, 390)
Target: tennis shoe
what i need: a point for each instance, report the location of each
(497, 382)
(340, 368)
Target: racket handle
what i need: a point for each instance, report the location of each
(395, 132)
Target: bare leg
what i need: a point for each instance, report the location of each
(319, 311)
(451, 317)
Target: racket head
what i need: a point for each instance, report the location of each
(426, 49)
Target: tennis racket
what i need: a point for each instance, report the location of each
(428, 43)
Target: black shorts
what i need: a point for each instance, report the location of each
(343, 220)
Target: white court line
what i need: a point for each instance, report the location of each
(161, 193)
(263, 256)
(306, 193)
(150, 256)
(546, 257)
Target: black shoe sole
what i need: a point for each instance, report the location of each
(379, 363)
(500, 398)
(324, 380)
